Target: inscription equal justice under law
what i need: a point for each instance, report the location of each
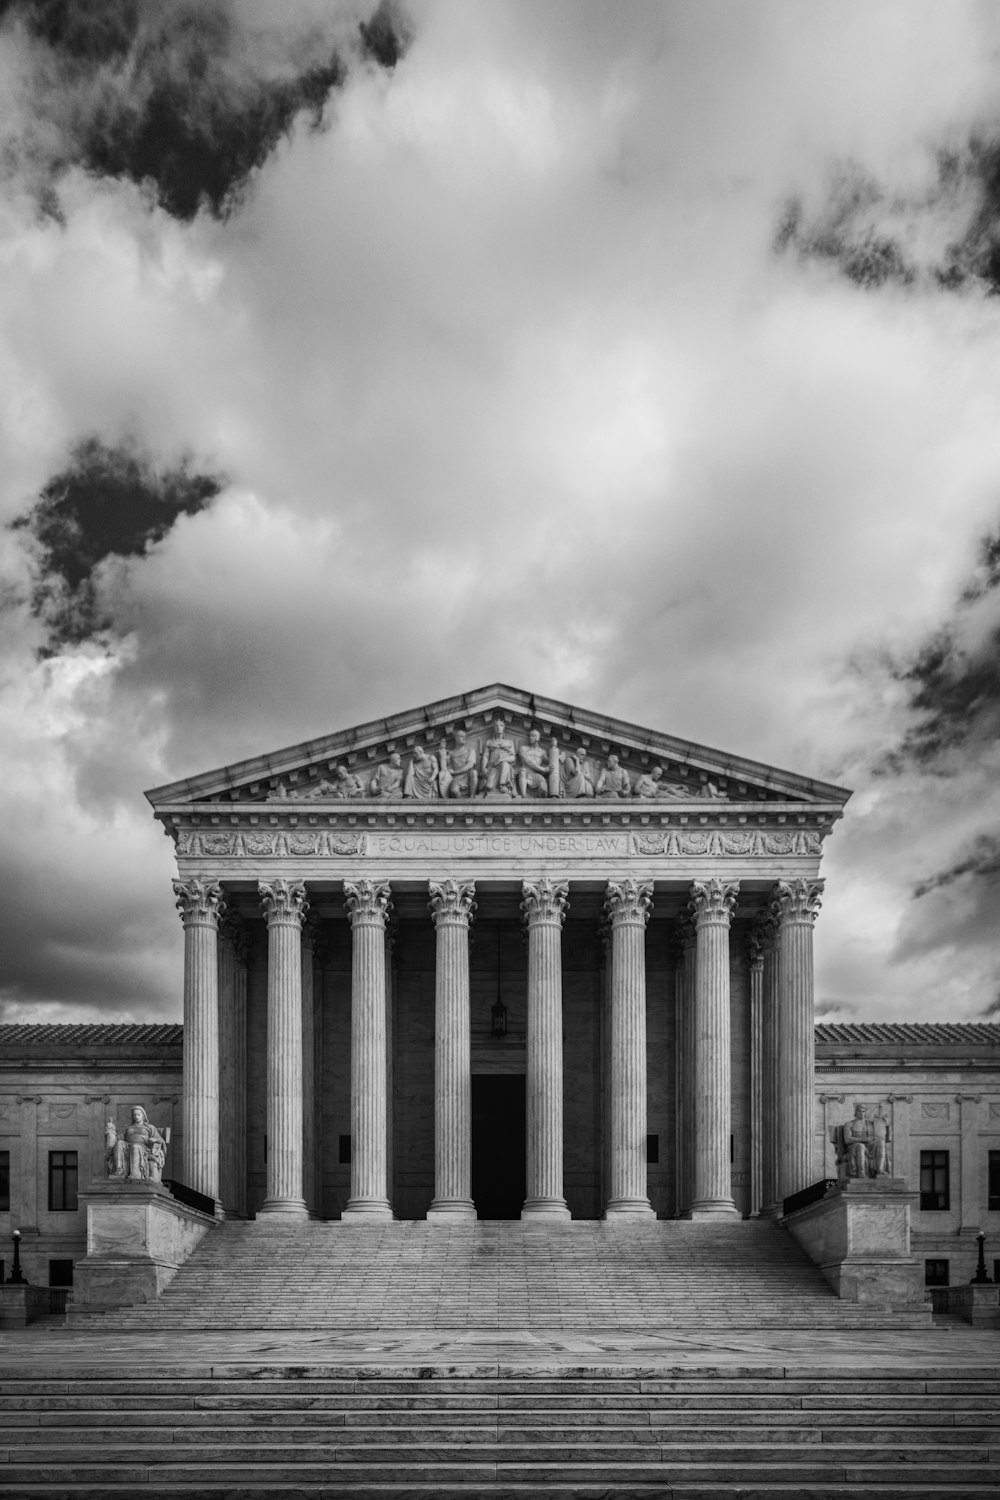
(499, 843)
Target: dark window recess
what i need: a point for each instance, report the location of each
(732, 1149)
(3, 1272)
(993, 1188)
(265, 1151)
(62, 1182)
(936, 1272)
(652, 1148)
(996, 1271)
(60, 1273)
(345, 1150)
(935, 1192)
(4, 1181)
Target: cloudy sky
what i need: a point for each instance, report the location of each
(644, 356)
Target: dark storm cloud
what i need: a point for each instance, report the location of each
(181, 96)
(953, 684)
(108, 502)
(945, 232)
(983, 858)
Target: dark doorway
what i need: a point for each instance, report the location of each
(498, 1144)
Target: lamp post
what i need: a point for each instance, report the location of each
(981, 1278)
(17, 1277)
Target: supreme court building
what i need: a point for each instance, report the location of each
(498, 956)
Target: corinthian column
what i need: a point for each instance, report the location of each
(796, 904)
(368, 906)
(628, 905)
(766, 934)
(711, 905)
(200, 904)
(544, 906)
(285, 906)
(684, 1049)
(451, 907)
(234, 945)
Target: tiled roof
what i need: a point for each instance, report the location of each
(916, 1034)
(106, 1034)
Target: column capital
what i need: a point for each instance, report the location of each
(234, 931)
(713, 901)
(797, 901)
(452, 901)
(628, 902)
(544, 901)
(367, 902)
(199, 902)
(285, 902)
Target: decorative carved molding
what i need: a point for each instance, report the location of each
(194, 843)
(713, 901)
(937, 1110)
(97, 1098)
(797, 900)
(745, 843)
(199, 902)
(283, 901)
(628, 901)
(28, 1098)
(367, 901)
(451, 900)
(544, 901)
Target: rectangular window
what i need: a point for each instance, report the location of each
(993, 1188)
(4, 1181)
(345, 1150)
(653, 1149)
(60, 1273)
(936, 1272)
(934, 1189)
(62, 1182)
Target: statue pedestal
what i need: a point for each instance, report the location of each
(859, 1236)
(137, 1237)
(978, 1303)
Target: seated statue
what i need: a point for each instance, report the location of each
(651, 784)
(139, 1154)
(533, 767)
(613, 780)
(459, 774)
(575, 779)
(863, 1145)
(498, 762)
(347, 784)
(388, 779)
(422, 776)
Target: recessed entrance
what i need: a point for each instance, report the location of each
(498, 1144)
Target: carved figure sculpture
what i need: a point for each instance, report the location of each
(388, 779)
(863, 1144)
(422, 776)
(459, 775)
(575, 779)
(499, 757)
(110, 1142)
(533, 766)
(347, 784)
(857, 1137)
(881, 1151)
(651, 784)
(613, 780)
(138, 1155)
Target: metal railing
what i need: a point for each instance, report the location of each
(808, 1195)
(190, 1197)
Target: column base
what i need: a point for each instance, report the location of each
(451, 1211)
(545, 1208)
(713, 1208)
(629, 1208)
(365, 1209)
(289, 1208)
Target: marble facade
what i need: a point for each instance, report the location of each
(611, 878)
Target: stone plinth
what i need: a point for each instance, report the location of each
(23, 1304)
(859, 1236)
(978, 1303)
(137, 1238)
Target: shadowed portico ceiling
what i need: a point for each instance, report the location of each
(453, 752)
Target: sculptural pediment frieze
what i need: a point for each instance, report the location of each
(497, 745)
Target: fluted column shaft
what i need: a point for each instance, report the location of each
(756, 958)
(711, 905)
(796, 904)
(233, 951)
(684, 1071)
(285, 906)
(544, 906)
(200, 904)
(770, 1030)
(367, 903)
(451, 907)
(628, 905)
(310, 1141)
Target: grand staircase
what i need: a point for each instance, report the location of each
(500, 1275)
(696, 1434)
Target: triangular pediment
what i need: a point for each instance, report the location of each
(454, 750)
